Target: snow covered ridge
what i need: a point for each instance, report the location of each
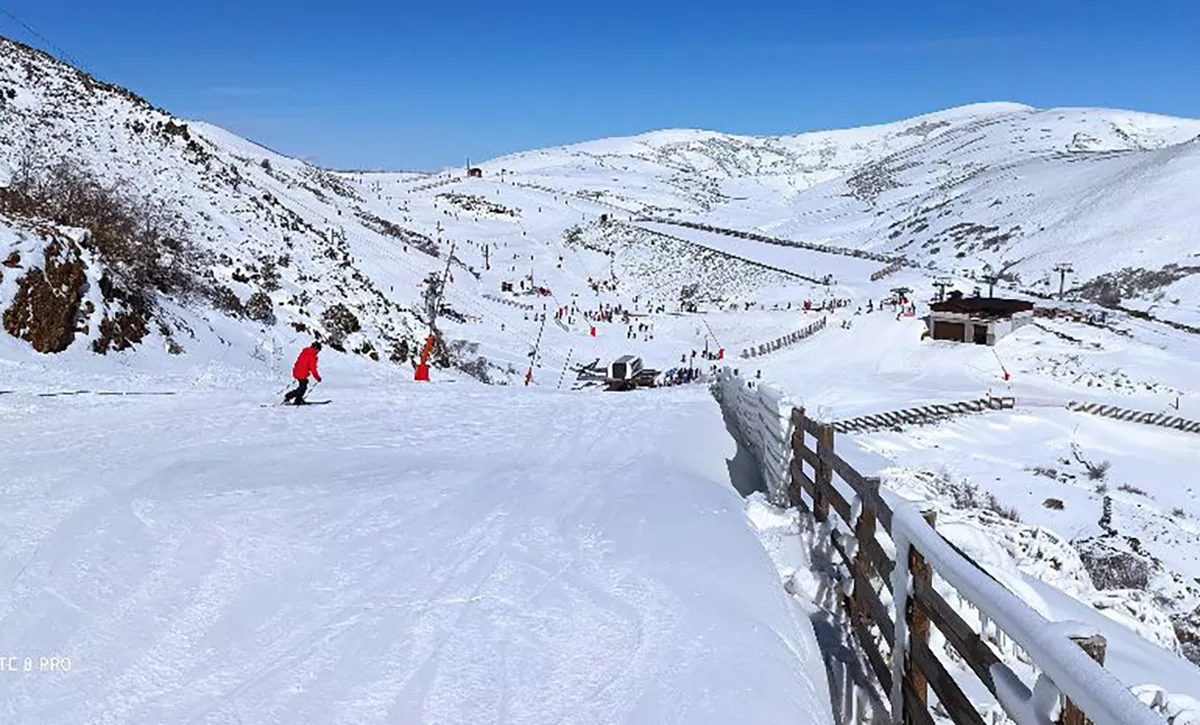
(988, 614)
(280, 250)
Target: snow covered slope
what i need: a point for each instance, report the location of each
(430, 554)
(998, 187)
(993, 187)
(288, 251)
(550, 264)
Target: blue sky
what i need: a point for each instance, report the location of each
(404, 85)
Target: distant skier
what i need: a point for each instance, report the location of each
(305, 365)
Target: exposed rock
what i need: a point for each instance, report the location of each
(126, 321)
(13, 261)
(45, 307)
(1187, 630)
(1112, 568)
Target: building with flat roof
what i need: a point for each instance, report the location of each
(980, 320)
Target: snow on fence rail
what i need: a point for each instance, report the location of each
(815, 480)
(787, 340)
(1136, 416)
(923, 415)
(755, 236)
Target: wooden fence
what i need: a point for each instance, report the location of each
(787, 340)
(506, 301)
(860, 524)
(923, 415)
(865, 513)
(1136, 416)
(890, 269)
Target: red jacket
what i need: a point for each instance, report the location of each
(306, 365)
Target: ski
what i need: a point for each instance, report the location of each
(290, 405)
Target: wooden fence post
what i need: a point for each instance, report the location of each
(824, 472)
(864, 531)
(1095, 647)
(918, 621)
(795, 488)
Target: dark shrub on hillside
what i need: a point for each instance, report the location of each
(339, 321)
(259, 308)
(141, 242)
(227, 301)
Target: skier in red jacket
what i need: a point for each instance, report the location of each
(306, 365)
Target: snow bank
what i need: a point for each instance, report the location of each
(438, 553)
(759, 416)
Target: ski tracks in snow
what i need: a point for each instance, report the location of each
(422, 555)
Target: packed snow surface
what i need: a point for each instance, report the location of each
(418, 554)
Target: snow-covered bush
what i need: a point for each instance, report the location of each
(259, 308)
(339, 322)
(143, 246)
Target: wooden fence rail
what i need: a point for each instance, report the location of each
(787, 340)
(820, 482)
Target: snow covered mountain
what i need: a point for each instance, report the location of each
(140, 252)
(284, 249)
(272, 243)
(998, 188)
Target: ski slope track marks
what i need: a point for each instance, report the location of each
(534, 558)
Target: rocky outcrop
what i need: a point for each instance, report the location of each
(45, 308)
(126, 320)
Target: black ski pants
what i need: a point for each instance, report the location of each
(297, 396)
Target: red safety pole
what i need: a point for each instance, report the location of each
(423, 366)
(1004, 370)
(422, 373)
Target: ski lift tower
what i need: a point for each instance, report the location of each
(990, 280)
(942, 283)
(1063, 270)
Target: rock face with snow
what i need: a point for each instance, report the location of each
(48, 297)
(273, 240)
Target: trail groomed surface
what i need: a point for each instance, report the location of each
(415, 555)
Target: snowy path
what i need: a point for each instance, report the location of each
(439, 554)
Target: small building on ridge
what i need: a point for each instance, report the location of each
(979, 320)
